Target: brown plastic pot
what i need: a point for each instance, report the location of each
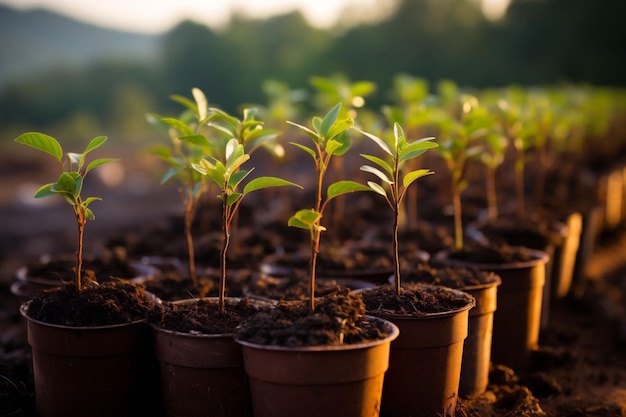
(313, 381)
(517, 322)
(201, 374)
(91, 371)
(477, 348)
(425, 364)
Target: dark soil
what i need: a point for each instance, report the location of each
(339, 318)
(414, 301)
(490, 254)
(450, 277)
(172, 284)
(203, 316)
(104, 304)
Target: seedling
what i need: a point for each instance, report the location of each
(69, 184)
(457, 146)
(394, 182)
(329, 139)
(228, 176)
(181, 156)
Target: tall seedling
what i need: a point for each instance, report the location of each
(69, 184)
(329, 139)
(181, 156)
(395, 182)
(228, 175)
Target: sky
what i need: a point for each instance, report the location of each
(157, 16)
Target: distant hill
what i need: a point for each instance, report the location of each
(37, 40)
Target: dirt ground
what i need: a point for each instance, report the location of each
(579, 370)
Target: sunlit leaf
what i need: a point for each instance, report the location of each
(42, 142)
(266, 182)
(381, 143)
(45, 191)
(201, 102)
(329, 119)
(414, 175)
(378, 173)
(304, 219)
(96, 163)
(381, 163)
(377, 188)
(305, 149)
(344, 187)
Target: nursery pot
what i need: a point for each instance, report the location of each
(477, 347)
(90, 371)
(519, 298)
(425, 364)
(201, 374)
(312, 381)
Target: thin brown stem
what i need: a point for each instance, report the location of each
(492, 199)
(80, 217)
(189, 214)
(458, 223)
(224, 253)
(519, 183)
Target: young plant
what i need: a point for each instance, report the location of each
(394, 182)
(329, 139)
(228, 176)
(457, 146)
(181, 156)
(69, 184)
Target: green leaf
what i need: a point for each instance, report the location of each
(267, 182)
(362, 88)
(185, 102)
(66, 184)
(172, 172)
(377, 188)
(305, 149)
(42, 142)
(344, 187)
(381, 163)
(90, 200)
(414, 175)
(201, 102)
(95, 143)
(234, 165)
(179, 125)
(343, 139)
(332, 146)
(89, 214)
(378, 173)
(329, 119)
(338, 127)
(381, 143)
(304, 219)
(306, 130)
(415, 149)
(237, 177)
(45, 191)
(232, 198)
(196, 139)
(96, 163)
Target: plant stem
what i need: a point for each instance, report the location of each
(225, 244)
(492, 200)
(317, 233)
(189, 214)
(396, 250)
(81, 220)
(458, 224)
(519, 183)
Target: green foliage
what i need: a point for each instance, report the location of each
(328, 137)
(69, 183)
(395, 182)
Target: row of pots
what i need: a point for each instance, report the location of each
(440, 343)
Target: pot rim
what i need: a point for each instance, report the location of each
(392, 335)
(437, 315)
(24, 313)
(162, 329)
(539, 258)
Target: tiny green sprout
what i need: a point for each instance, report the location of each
(329, 139)
(69, 184)
(394, 183)
(228, 175)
